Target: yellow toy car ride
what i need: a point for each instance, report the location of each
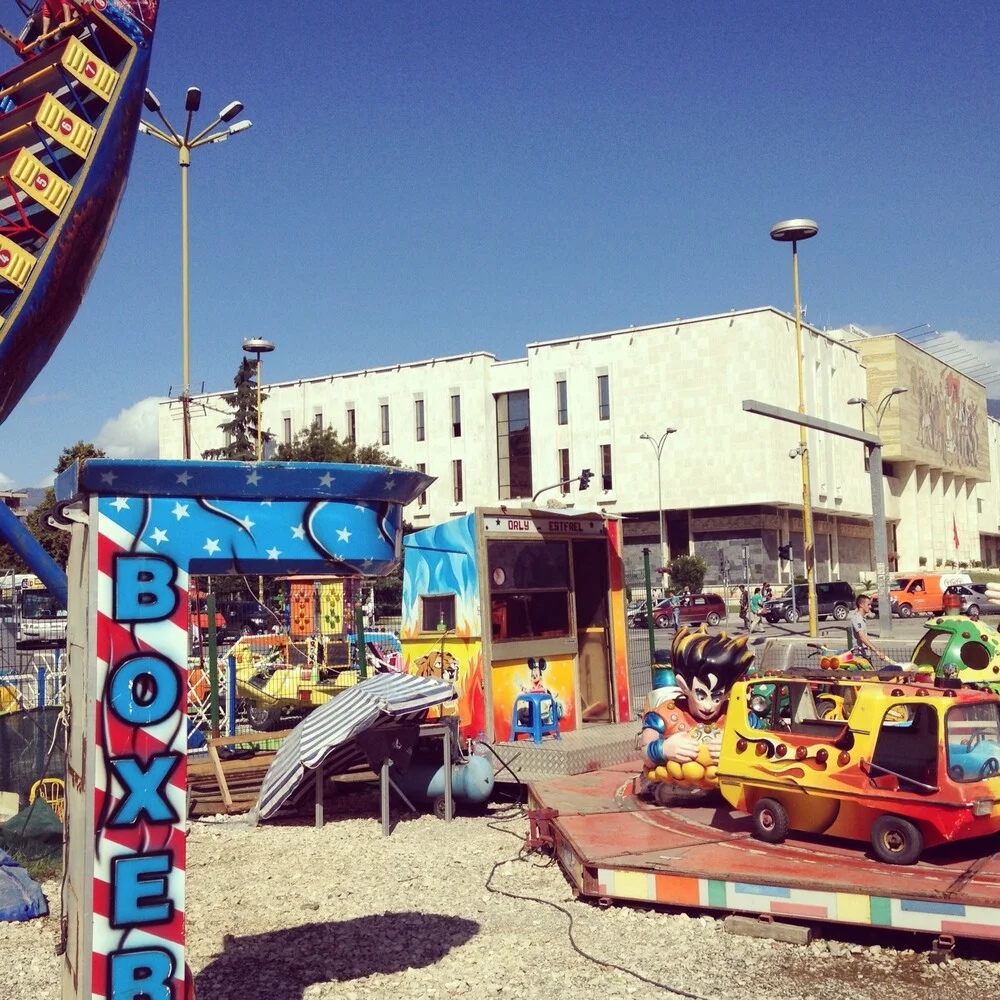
(909, 766)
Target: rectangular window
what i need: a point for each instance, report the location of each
(318, 419)
(562, 405)
(456, 478)
(529, 589)
(352, 427)
(606, 466)
(384, 422)
(513, 445)
(979, 506)
(418, 418)
(286, 430)
(603, 398)
(456, 416)
(422, 499)
(564, 470)
(437, 612)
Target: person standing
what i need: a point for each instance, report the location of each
(756, 603)
(675, 610)
(744, 606)
(860, 642)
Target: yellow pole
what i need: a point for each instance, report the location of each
(184, 158)
(807, 527)
(259, 448)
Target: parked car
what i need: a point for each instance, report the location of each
(974, 599)
(835, 598)
(633, 611)
(694, 609)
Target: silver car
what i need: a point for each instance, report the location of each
(974, 599)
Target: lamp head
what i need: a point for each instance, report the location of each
(856, 400)
(240, 126)
(150, 101)
(257, 345)
(670, 430)
(897, 389)
(792, 230)
(144, 128)
(230, 111)
(644, 437)
(192, 102)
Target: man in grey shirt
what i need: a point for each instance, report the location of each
(860, 643)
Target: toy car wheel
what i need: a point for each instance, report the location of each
(713, 618)
(791, 616)
(840, 612)
(263, 719)
(896, 841)
(990, 768)
(439, 807)
(905, 611)
(972, 609)
(770, 821)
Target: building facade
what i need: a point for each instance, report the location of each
(499, 432)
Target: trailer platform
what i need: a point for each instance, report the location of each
(614, 845)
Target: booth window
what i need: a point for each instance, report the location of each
(529, 589)
(513, 445)
(437, 612)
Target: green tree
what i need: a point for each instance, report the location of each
(687, 571)
(54, 541)
(241, 429)
(324, 445)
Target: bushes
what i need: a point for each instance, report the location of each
(687, 571)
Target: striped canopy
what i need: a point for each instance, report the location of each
(327, 735)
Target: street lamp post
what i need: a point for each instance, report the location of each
(791, 231)
(258, 346)
(878, 505)
(658, 448)
(184, 144)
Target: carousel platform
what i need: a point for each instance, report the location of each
(615, 846)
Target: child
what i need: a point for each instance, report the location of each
(51, 9)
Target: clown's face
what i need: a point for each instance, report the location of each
(706, 698)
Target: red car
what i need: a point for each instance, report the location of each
(694, 609)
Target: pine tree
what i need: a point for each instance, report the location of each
(241, 430)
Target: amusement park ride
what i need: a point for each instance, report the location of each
(819, 760)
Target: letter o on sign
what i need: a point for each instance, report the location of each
(144, 690)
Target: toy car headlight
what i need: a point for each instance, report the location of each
(759, 704)
(982, 807)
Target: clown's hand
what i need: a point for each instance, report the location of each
(679, 747)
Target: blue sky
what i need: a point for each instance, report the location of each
(429, 178)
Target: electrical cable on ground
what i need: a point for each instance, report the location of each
(523, 855)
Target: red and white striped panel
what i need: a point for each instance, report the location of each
(118, 739)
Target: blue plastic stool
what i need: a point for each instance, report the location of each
(536, 703)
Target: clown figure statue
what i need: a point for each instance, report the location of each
(682, 732)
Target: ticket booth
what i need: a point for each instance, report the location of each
(502, 601)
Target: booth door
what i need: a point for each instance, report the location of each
(590, 581)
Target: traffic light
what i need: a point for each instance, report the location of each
(585, 478)
(785, 552)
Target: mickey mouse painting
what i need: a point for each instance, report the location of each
(536, 685)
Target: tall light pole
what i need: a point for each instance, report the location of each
(658, 448)
(258, 346)
(878, 505)
(184, 144)
(791, 231)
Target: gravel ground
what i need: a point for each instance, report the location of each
(288, 912)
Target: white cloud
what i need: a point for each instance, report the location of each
(133, 433)
(6, 483)
(968, 355)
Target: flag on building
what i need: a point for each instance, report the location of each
(954, 530)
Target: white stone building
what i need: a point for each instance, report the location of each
(496, 431)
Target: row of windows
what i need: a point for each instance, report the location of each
(384, 433)
(603, 400)
(457, 484)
